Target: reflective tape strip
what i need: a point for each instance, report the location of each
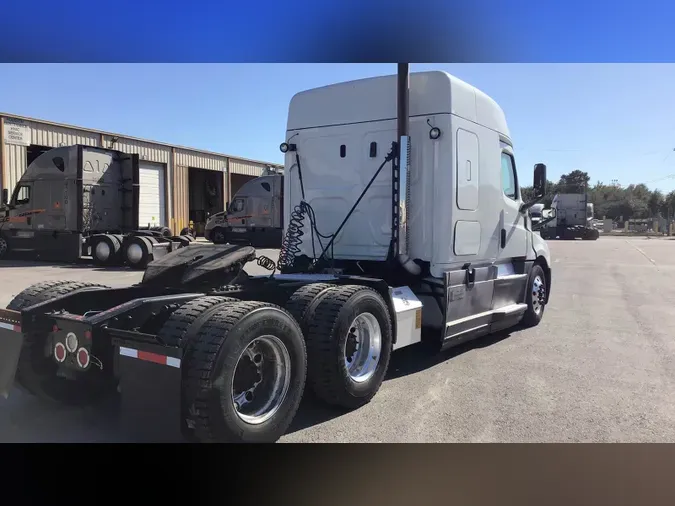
(9, 326)
(150, 357)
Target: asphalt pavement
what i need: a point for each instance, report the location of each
(599, 368)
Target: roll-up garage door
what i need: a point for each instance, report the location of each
(152, 199)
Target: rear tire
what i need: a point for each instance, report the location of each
(218, 236)
(536, 297)
(36, 371)
(299, 303)
(105, 251)
(4, 247)
(181, 329)
(216, 374)
(138, 251)
(183, 323)
(187, 231)
(347, 319)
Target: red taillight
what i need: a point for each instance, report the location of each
(59, 352)
(83, 358)
(55, 328)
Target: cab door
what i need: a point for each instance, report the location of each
(20, 221)
(237, 216)
(513, 232)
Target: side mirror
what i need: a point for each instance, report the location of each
(227, 206)
(539, 187)
(539, 180)
(5, 196)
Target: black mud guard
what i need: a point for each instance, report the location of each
(11, 342)
(150, 392)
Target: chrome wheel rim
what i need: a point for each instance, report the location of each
(3, 246)
(363, 347)
(261, 381)
(219, 237)
(102, 251)
(538, 294)
(134, 253)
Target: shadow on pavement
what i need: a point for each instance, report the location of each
(409, 360)
(24, 418)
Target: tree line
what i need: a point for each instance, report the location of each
(612, 201)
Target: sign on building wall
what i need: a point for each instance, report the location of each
(17, 132)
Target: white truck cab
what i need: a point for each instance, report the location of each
(463, 237)
(404, 215)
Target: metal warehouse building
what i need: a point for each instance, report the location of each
(177, 184)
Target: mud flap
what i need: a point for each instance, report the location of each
(150, 392)
(11, 341)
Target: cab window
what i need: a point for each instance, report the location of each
(509, 178)
(22, 196)
(237, 206)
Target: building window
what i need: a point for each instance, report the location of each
(509, 177)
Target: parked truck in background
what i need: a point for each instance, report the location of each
(404, 214)
(78, 202)
(573, 216)
(536, 214)
(255, 215)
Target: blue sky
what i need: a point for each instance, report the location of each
(615, 121)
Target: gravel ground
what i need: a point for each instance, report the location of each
(599, 368)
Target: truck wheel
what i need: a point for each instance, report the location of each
(183, 241)
(246, 374)
(37, 372)
(299, 302)
(181, 328)
(4, 247)
(137, 251)
(349, 343)
(106, 250)
(31, 295)
(218, 236)
(536, 297)
(187, 231)
(163, 231)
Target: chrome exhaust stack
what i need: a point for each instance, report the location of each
(403, 191)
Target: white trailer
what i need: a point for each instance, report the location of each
(406, 223)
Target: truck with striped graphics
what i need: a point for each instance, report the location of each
(81, 203)
(406, 225)
(255, 216)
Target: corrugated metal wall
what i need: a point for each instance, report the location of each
(43, 135)
(55, 136)
(207, 161)
(246, 168)
(177, 161)
(145, 150)
(181, 193)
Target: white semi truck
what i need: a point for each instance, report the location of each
(572, 218)
(405, 214)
